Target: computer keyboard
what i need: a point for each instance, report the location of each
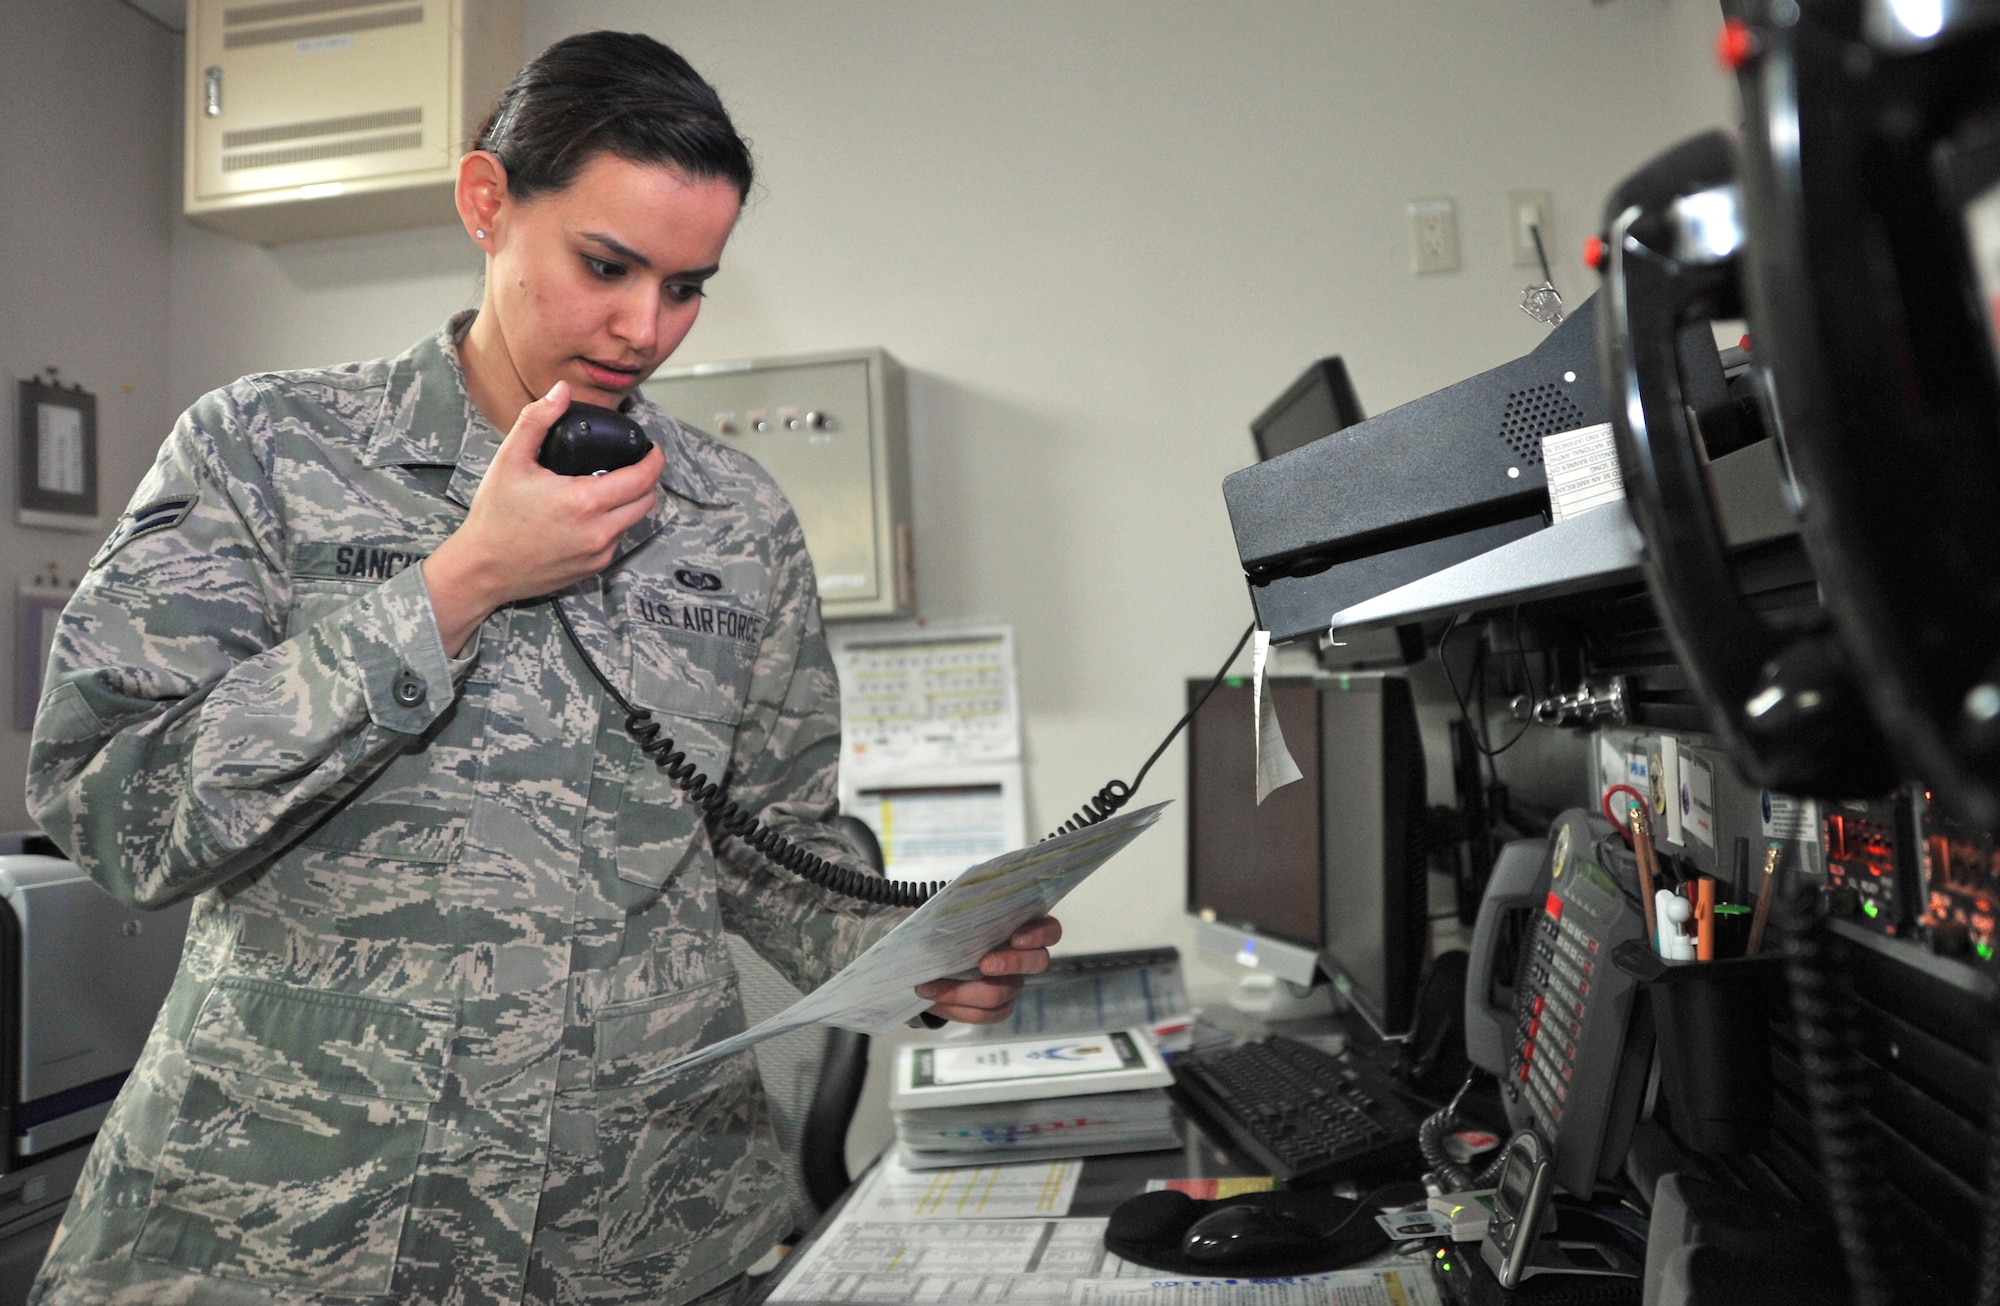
(1296, 1109)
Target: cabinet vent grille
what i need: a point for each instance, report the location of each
(291, 131)
(271, 13)
(324, 27)
(324, 150)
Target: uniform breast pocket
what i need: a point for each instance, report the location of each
(290, 1160)
(695, 686)
(690, 1156)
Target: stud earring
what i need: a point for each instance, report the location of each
(479, 233)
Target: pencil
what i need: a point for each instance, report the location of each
(1642, 848)
(1763, 915)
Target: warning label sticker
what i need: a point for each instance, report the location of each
(1582, 470)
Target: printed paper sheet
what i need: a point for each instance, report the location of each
(946, 936)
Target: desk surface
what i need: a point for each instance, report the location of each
(1108, 1180)
(1105, 1182)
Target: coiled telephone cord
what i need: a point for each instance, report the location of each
(726, 820)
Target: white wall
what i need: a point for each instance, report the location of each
(87, 186)
(1101, 236)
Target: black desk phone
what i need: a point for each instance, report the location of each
(1572, 1046)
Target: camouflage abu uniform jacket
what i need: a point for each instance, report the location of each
(447, 912)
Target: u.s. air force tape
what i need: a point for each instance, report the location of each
(159, 515)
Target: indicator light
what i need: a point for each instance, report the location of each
(1871, 909)
(1594, 254)
(1985, 951)
(1737, 45)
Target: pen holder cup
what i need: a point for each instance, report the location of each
(1713, 1023)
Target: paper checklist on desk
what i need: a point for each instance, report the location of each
(946, 936)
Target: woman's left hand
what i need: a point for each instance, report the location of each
(990, 998)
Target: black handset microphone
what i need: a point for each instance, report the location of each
(590, 441)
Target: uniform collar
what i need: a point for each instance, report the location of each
(428, 419)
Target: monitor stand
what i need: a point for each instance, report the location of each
(1269, 998)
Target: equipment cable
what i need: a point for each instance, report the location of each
(725, 819)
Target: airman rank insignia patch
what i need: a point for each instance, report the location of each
(159, 515)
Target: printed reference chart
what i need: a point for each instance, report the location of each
(984, 1192)
(1048, 1261)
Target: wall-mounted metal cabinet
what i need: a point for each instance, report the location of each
(316, 118)
(831, 430)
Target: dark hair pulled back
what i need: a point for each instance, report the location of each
(621, 92)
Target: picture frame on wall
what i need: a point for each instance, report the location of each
(56, 488)
(38, 602)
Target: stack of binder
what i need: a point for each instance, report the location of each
(979, 1103)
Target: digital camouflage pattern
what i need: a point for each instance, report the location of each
(447, 914)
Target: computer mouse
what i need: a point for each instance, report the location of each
(1247, 1235)
(589, 441)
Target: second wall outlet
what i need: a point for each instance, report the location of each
(1527, 210)
(1433, 236)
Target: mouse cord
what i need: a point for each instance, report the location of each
(727, 820)
(1364, 1204)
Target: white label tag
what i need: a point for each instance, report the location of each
(1583, 470)
(1275, 767)
(1789, 818)
(1697, 798)
(1670, 784)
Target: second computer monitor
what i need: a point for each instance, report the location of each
(1316, 405)
(1375, 900)
(1331, 863)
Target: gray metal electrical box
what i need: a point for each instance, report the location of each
(830, 428)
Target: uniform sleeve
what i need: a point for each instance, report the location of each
(182, 738)
(784, 770)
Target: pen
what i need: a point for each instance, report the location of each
(1763, 916)
(1704, 919)
(1642, 848)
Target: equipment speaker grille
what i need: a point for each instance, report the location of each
(1533, 413)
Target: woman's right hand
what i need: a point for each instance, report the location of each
(530, 531)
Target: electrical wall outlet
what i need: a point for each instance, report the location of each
(1526, 210)
(1433, 236)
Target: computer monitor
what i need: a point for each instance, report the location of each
(1328, 875)
(1316, 405)
(1254, 871)
(1375, 899)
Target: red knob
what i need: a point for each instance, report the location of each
(1737, 45)
(1594, 253)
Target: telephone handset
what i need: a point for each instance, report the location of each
(1518, 883)
(1520, 1244)
(589, 441)
(1573, 1050)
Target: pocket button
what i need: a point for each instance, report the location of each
(409, 689)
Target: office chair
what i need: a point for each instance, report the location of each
(812, 1077)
